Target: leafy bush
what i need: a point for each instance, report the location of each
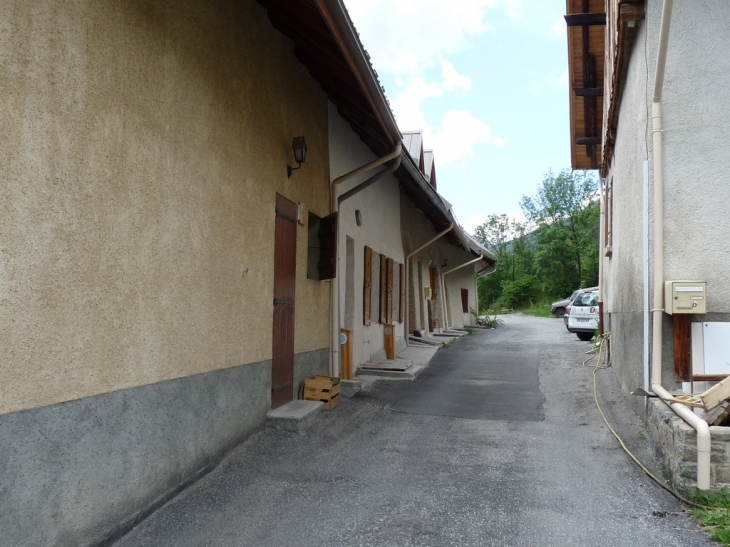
(520, 292)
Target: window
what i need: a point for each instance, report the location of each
(322, 246)
(465, 300)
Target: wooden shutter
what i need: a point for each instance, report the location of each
(327, 247)
(465, 300)
(367, 286)
(432, 280)
(383, 288)
(402, 287)
(389, 290)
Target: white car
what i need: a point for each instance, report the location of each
(583, 318)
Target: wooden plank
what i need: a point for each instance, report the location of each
(588, 140)
(585, 19)
(709, 377)
(367, 286)
(402, 286)
(389, 290)
(588, 91)
(716, 394)
(717, 415)
(681, 347)
(383, 288)
(346, 355)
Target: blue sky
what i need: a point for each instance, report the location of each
(487, 82)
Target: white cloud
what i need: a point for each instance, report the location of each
(456, 137)
(471, 223)
(563, 81)
(559, 27)
(412, 39)
(500, 142)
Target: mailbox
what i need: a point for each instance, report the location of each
(685, 297)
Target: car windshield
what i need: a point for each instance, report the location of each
(586, 299)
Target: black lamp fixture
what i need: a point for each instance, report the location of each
(299, 145)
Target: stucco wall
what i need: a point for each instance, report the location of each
(379, 205)
(143, 145)
(697, 201)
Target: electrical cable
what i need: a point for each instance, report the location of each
(598, 351)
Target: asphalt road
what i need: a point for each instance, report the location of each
(497, 442)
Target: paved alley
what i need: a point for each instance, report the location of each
(498, 442)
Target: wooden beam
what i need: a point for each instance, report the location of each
(588, 91)
(585, 19)
(681, 347)
(588, 140)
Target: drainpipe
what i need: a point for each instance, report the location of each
(408, 279)
(703, 430)
(443, 275)
(335, 284)
(601, 247)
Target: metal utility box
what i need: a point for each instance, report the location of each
(685, 297)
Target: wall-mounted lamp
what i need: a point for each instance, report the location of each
(299, 145)
(358, 217)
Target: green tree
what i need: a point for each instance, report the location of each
(508, 240)
(565, 212)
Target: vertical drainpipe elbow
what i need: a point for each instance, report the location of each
(704, 441)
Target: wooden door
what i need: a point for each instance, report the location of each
(285, 265)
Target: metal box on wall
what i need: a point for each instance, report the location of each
(685, 297)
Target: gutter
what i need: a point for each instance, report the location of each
(703, 430)
(334, 208)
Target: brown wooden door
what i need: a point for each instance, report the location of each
(285, 265)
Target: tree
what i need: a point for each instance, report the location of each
(507, 239)
(565, 212)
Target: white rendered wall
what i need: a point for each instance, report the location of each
(696, 100)
(379, 205)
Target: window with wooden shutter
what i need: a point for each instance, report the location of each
(322, 247)
(383, 288)
(389, 290)
(367, 286)
(402, 296)
(465, 300)
(432, 280)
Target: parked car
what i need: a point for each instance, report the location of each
(558, 308)
(583, 316)
(572, 298)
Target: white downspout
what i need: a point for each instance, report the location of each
(335, 283)
(443, 275)
(703, 430)
(406, 334)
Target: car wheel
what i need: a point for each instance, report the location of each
(585, 336)
(560, 312)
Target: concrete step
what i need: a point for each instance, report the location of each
(295, 416)
(348, 388)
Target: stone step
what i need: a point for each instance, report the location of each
(295, 416)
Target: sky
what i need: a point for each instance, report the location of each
(487, 83)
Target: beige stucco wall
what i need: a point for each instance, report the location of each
(143, 145)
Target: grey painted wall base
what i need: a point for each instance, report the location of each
(307, 365)
(86, 471)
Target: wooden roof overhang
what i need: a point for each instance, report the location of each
(586, 21)
(326, 42)
(623, 20)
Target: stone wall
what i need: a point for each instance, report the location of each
(676, 445)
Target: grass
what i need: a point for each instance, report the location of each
(536, 310)
(716, 522)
